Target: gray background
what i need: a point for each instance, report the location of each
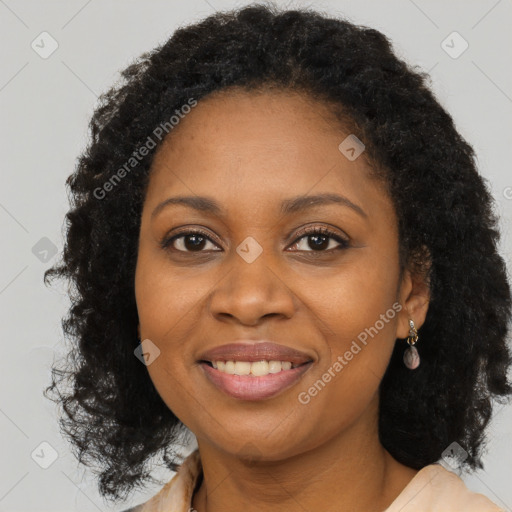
(45, 105)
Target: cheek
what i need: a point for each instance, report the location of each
(348, 378)
(165, 296)
(353, 299)
(358, 315)
(170, 308)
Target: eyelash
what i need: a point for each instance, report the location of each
(166, 242)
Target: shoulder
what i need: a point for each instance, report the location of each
(177, 493)
(435, 489)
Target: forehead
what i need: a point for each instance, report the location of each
(238, 119)
(249, 148)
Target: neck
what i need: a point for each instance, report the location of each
(352, 469)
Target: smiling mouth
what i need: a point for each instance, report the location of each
(255, 380)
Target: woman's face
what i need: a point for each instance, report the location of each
(254, 276)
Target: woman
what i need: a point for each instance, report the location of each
(280, 243)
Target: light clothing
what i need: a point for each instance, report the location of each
(432, 489)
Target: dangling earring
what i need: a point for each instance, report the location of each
(411, 356)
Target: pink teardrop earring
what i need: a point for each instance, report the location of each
(411, 356)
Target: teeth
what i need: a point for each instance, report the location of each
(257, 368)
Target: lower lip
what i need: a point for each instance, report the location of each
(247, 387)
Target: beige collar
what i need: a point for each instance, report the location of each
(433, 489)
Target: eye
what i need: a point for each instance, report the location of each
(192, 240)
(319, 239)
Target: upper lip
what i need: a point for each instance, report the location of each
(255, 351)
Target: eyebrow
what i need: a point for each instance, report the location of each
(288, 206)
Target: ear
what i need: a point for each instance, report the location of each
(414, 296)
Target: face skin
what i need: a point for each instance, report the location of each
(249, 152)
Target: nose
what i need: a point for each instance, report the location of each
(251, 292)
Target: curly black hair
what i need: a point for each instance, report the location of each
(447, 230)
